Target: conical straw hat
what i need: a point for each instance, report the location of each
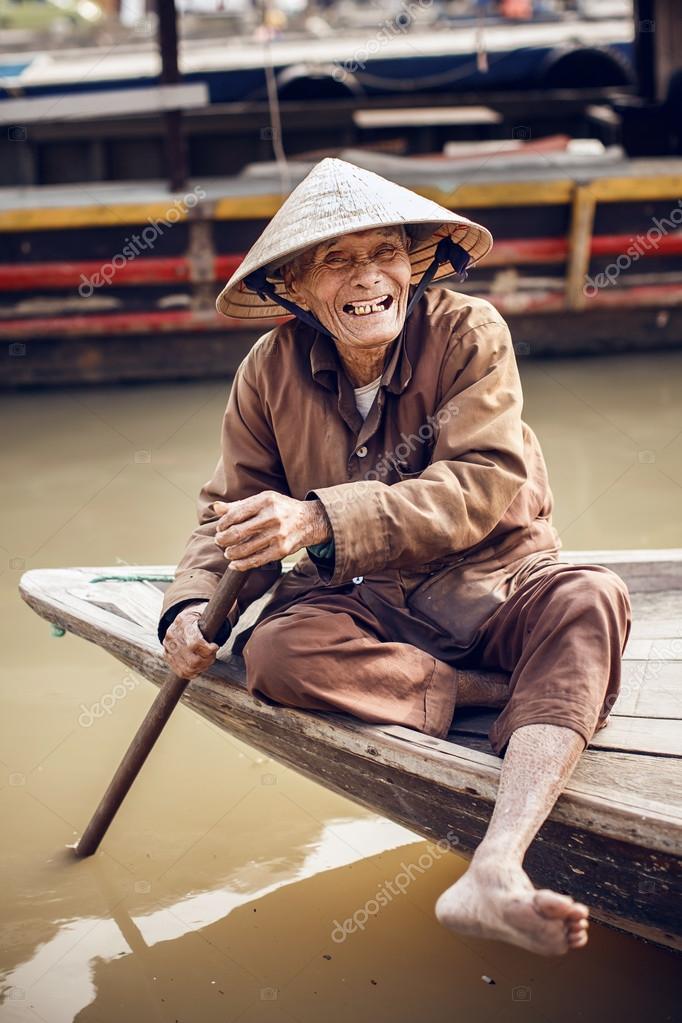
(338, 198)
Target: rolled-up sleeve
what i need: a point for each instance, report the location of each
(476, 470)
(249, 463)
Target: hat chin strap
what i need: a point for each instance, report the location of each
(259, 283)
(446, 251)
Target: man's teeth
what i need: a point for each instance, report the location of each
(369, 307)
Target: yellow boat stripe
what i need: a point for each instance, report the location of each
(262, 207)
(97, 215)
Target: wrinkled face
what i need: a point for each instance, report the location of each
(357, 285)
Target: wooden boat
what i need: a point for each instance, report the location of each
(614, 839)
(426, 58)
(559, 222)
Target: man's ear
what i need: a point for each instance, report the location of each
(288, 278)
(290, 284)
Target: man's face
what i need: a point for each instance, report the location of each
(356, 285)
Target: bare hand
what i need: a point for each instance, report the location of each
(267, 527)
(184, 647)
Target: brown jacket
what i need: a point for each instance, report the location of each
(439, 500)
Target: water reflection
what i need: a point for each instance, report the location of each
(80, 947)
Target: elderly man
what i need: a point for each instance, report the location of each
(379, 432)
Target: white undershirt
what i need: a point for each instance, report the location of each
(364, 396)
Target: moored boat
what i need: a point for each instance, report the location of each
(132, 293)
(614, 839)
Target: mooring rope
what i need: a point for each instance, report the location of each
(133, 579)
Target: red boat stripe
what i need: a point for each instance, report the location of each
(112, 324)
(176, 270)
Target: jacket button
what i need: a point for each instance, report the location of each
(357, 579)
(361, 452)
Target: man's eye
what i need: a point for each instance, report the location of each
(387, 252)
(335, 261)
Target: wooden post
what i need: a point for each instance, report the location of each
(658, 46)
(176, 149)
(580, 243)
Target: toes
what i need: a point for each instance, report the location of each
(553, 905)
(577, 914)
(577, 933)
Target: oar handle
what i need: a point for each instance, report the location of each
(211, 622)
(216, 611)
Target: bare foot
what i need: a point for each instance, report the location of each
(498, 901)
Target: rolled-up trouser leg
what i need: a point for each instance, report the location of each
(561, 634)
(328, 653)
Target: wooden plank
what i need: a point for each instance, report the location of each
(633, 560)
(634, 674)
(660, 692)
(108, 103)
(403, 117)
(145, 270)
(512, 193)
(637, 189)
(666, 630)
(104, 214)
(530, 193)
(656, 605)
(652, 783)
(65, 274)
(667, 649)
(637, 649)
(649, 688)
(106, 324)
(659, 736)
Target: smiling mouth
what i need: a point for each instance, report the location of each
(375, 305)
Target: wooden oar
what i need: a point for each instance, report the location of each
(210, 623)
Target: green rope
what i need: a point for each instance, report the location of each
(133, 578)
(58, 631)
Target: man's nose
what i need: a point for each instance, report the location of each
(366, 274)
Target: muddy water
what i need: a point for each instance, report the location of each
(215, 893)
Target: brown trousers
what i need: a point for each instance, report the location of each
(560, 636)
